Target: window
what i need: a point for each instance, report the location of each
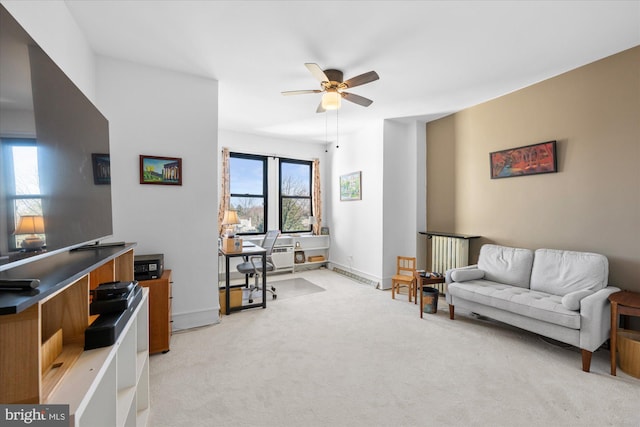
(295, 195)
(24, 198)
(248, 191)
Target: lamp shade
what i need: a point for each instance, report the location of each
(331, 100)
(30, 224)
(230, 218)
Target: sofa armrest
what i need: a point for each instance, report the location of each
(595, 318)
(447, 274)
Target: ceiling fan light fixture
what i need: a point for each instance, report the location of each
(331, 100)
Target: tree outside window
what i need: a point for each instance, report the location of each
(295, 195)
(248, 191)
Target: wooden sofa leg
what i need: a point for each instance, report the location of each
(451, 309)
(586, 360)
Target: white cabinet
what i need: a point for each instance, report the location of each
(293, 253)
(109, 386)
(310, 251)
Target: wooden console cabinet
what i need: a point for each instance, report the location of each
(42, 357)
(159, 312)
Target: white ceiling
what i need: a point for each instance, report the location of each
(433, 57)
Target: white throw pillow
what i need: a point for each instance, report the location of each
(466, 275)
(572, 299)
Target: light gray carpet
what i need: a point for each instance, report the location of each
(352, 356)
(288, 288)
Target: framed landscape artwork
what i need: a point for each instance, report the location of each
(160, 170)
(528, 160)
(351, 187)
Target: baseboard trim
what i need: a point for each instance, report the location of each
(357, 277)
(195, 319)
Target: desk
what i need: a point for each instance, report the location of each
(248, 250)
(422, 282)
(623, 302)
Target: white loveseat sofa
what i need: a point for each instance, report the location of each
(562, 295)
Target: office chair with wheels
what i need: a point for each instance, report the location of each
(253, 265)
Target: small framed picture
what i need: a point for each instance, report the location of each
(350, 186)
(101, 168)
(160, 170)
(299, 257)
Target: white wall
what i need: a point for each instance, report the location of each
(52, 26)
(164, 113)
(399, 195)
(368, 235)
(356, 226)
(422, 242)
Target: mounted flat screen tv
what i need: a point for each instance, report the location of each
(55, 191)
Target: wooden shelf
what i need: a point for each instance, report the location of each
(44, 331)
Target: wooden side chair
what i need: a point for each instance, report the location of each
(405, 269)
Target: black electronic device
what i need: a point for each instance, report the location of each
(115, 303)
(148, 267)
(111, 290)
(67, 147)
(18, 284)
(106, 329)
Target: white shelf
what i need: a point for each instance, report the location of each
(316, 248)
(109, 386)
(126, 398)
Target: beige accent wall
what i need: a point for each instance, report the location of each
(591, 204)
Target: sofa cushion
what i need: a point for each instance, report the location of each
(537, 305)
(511, 266)
(561, 272)
(572, 299)
(465, 275)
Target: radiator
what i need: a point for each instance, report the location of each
(448, 252)
(282, 257)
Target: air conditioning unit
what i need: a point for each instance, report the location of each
(282, 257)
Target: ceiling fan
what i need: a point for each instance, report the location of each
(333, 88)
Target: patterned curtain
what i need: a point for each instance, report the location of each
(224, 195)
(317, 199)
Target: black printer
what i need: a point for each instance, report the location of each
(148, 267)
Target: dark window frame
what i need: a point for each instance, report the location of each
(265, 188)
(281, 197)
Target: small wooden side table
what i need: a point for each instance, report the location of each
(623, 302)
(421, 282)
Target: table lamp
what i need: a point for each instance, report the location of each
(312, 222)
(229, 221)
(32, 225)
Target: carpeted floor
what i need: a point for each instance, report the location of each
(352, 356)
(287, 288)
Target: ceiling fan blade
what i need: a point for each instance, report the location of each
(300, 92)
(361, 79)
(320, 108)
(357, 99)
(317, 72)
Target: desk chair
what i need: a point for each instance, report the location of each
(405, 269)
(252, 266)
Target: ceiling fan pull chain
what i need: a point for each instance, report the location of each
(326, 132)
(337, 133)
